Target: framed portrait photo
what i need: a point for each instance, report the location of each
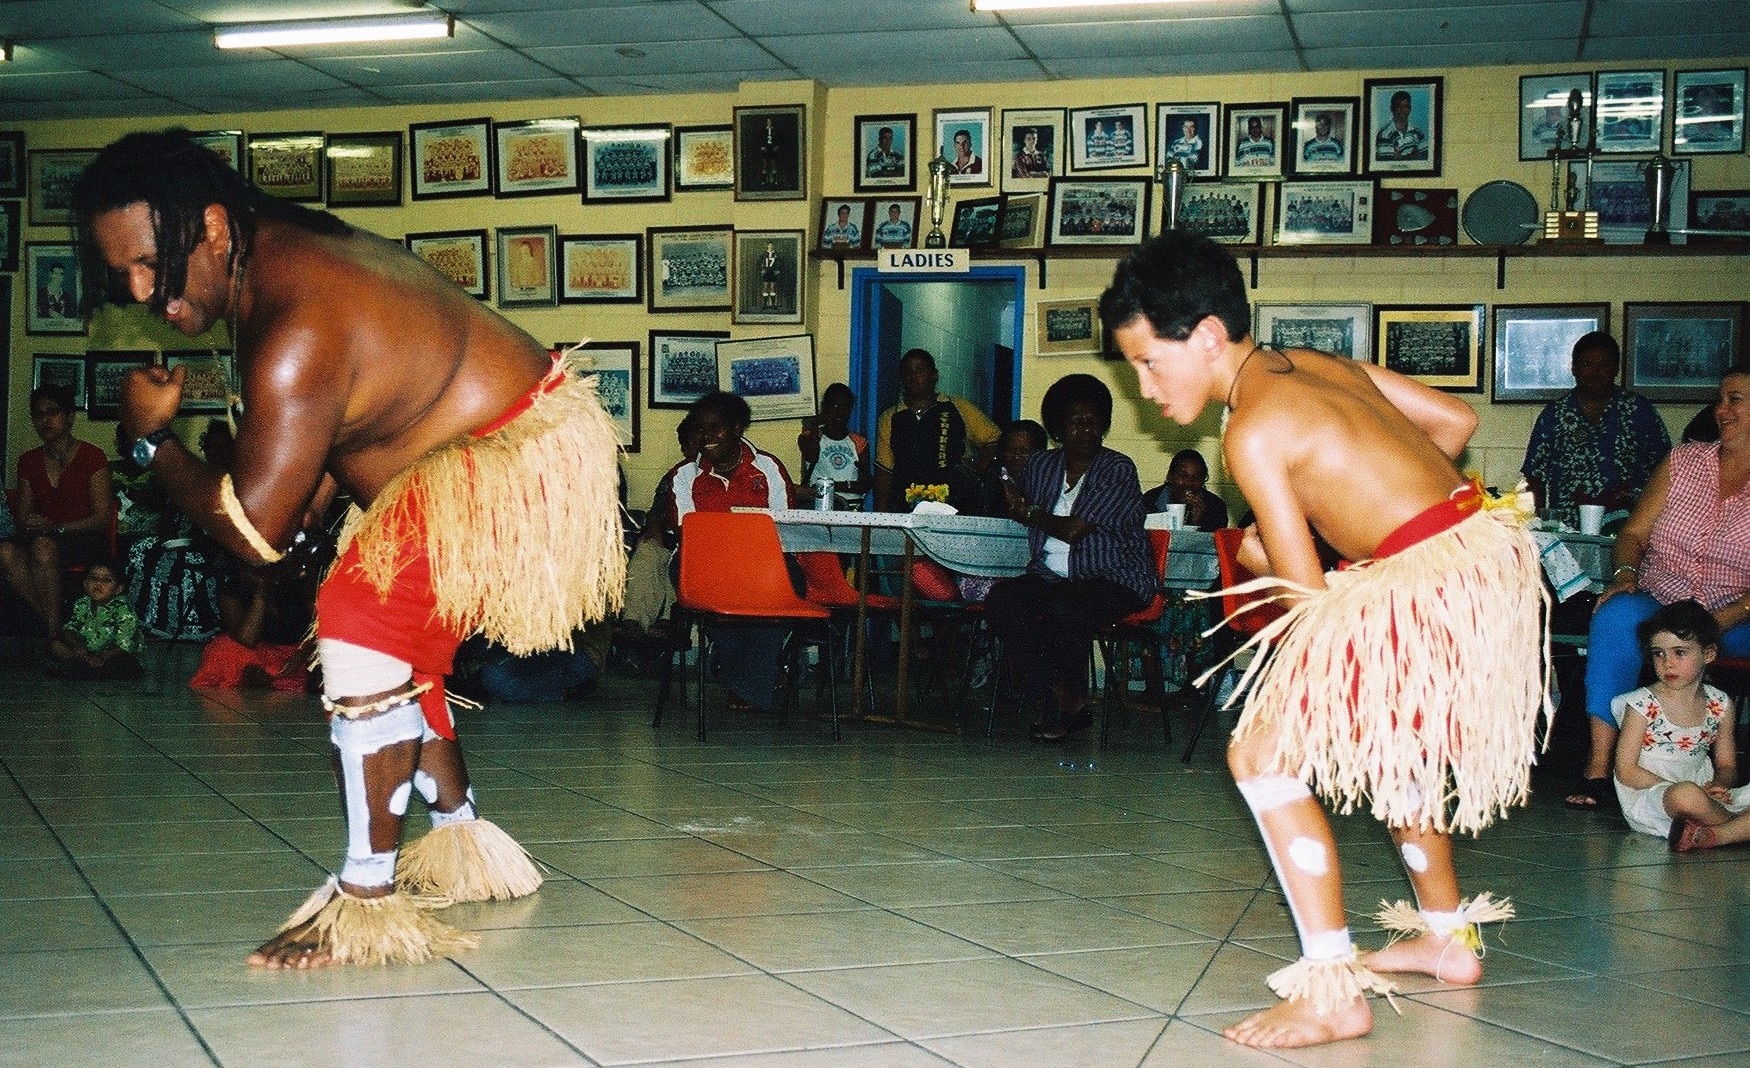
(534, 157)
(1546, 103)
(886, 151)
(1229, 212)
(683, 366)
(104, 372)
(1617, 190)
(208, 385)
(1339, 329)
(1708, 112)
(1098, 211)
(844, 225)
(1105, 138)
(963, 139)
(288, 165)
(896, 222)
(459, 255)
(771, 153)
(1438, 345)
(11, 163)
(1254, 140)
(1404, 125)
(528, 259)
(59, 369)
(689, 269)
(1322, 140)
(977, 222)
(1630, 112)
(1325, 213)
(615, 366)
(1067, 327)
(1022, 223)
(11, 223)
(1033, 143)
(704, 158)
(601, 269)
(1191, 134)
(364, 169)
(1534, 348)
(450, 159)
(628, 164)
(1726, 211)
(54, 291)
(768, 276)
(1677, 351)
(52, 174)
(226, 144)
(775, 375)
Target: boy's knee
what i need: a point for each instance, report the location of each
(1250, 757)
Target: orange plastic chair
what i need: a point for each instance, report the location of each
(1239, 628)
(1137, 628)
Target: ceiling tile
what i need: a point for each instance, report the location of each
(1436, 57)
(702, 82)
(481, 66)
(77, 85)
(616, 25)
(996, 70)
(1662, 19)
(1158, 36)
(1435, 26)
(472, 92)
(885, 49)
(677, 57)
(1205, 9)
(803, 16)
(1696, 46)
(121, 53)
(275, 80)
(66, 108)
(30, 19)
(1167, 65)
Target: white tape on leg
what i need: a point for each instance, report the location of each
(372, 869)
(1415, 857)
(426, 785)
(354, 740)
(1267, 792)
(1309, 855)
(1327, 945)
(464, 811)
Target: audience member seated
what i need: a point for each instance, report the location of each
(174, 570)
(495, 674)
(1598, 444)
(65, 507)
(930, 439)
(266, 612)
(1188, 484)
(641, 640)
(830, 449)
(1687, 538)
(101, 639)
(1090, 566)
(18, 618)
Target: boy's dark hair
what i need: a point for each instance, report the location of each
(919, 354)
(112, 564)
(725, 406)
(1035, 433)
(1075, 389)
(834, 390)
(61, 395)
(1687, 620)
(1174, 282)
(176, 178)
(1598, 341)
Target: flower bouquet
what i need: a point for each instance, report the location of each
(916, 494)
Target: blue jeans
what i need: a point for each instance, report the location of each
(1614, 654)
(528, 680)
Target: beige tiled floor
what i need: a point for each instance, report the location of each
(770, 899)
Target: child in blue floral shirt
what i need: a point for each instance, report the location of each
(101, 639)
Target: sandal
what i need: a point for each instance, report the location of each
(1591, 794)
(1687, 836)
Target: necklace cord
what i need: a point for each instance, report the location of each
(1229, 403)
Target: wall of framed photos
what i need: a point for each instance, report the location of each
(1480, 141)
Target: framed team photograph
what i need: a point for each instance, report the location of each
(626, 164)
(54, 290)
(1438, 345)
(775, 375)
(1677, 351)
(1534, 348)
(459, 255)
(1617, 191)
(1630, 111)
(1254, 140)
(689, 268)
(1068, 327)
(207, 387)
(962, 137)
(11, 163)
(615, 366)
(977, 222)
(1325, 213)
(1104, 138)
(683, 366)
(1023, 221)
(1322, 135)
(1724, 211)
(1707, 112)
(601, 269)
(59, 369)
(1229, 212)
(768, 276)
(896, 222)
(450, 159)
(52, 174)
(528, 266)
(1404, 125)
(226, 144)
(287, 165)
(844, 224)
(1339, 329)
(704, 158)
(535, 157)
(103, 378)
(1098, 211)
(886, 152)
(11, 223)
(1191, 134)
(364, 170)
(1033, 142)
(771, 153)
(1546, 102)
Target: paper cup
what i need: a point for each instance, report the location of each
(1175, 516)
(1591, 518)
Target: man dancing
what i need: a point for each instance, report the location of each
(1411, 681)
(482, 469)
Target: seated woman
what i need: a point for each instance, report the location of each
(1188, 484)
(1688, 537)
(1090, 566)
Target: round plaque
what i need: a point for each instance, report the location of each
(1500, 213)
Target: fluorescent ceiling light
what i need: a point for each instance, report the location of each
(1044, 5)
(417, 26)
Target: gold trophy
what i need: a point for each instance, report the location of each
(1567, 221)
(938, 201)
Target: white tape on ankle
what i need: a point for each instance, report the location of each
(1267, 792)
(373, 869)
(1415, 857)
(1309, 856)
(1327, 945)
(464, 811)
(1444, 923)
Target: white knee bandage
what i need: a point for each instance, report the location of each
(1267, 792)
(350, 670)
(354, 740)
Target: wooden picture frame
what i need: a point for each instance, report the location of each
(52, 172)
(229, 145)
(60, 369)
(971, 167)
(1108, 138)
(1098, 211)
(1322, 136)
(683, 366)
(601, 269)
(769, 268)
(1198, 148)
(1534, 349)
(1326, 212)
(894, 228)
(977, 222)
(1252, 140)
(886, 155)
(1543, 112)
(1067, 327)
(12, 164)
(1677, 350)
(775, 375)
(207, 388)
(1707, 112)
(535, 157)
(11, 226)
(459, 255)
(1630, 111)
(1438, 345)
(104, 372)
(844, 224)
(54, 290)
(287, 165)
(528, 266)
(1033, 147)
(704, 158)
(1229, 212)
(691, 268)
(450, 159)
(1407, 143)
(1023, 220)
(364, 169)
(1341, 329)
(771, 152)
(626, 164)
(618, 383)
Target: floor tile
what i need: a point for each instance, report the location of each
(75, 981)
(159, 1038)
(749, 893)
(832, 940)
(599, 953)
(213, 975)
(1061, 925)
(1101, 1045)
(57, 924)
(933, 882)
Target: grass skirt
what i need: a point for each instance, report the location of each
(1413, 682)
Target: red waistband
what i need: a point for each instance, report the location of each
(550, 382)
(1424, 525)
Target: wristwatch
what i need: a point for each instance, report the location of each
(147, 447)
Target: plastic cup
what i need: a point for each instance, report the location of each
(1591, 518)
(1175, 516)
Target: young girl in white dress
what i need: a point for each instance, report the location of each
(1676, 757)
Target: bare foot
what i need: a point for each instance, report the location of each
(1446, 959)
(1289, 1024)
(297, 948)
